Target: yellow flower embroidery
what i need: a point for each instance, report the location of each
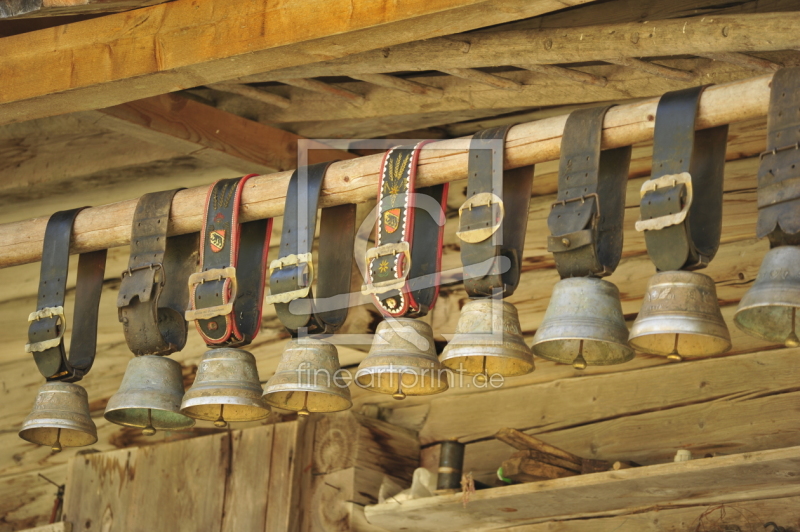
(383, 267)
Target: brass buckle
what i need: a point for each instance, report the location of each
(48, 312)
(392, 284)
(483, 199)
(284, 262)
(216, 274)
(667, 220)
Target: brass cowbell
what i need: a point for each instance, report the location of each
(226, 388)
(583, 325)
(60, 417)
(150, 396)
(488, 340)
(402, 360)
(680, 317)
(308, 379)
(769, 309)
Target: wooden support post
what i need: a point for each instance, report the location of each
(253, 93)
(400, 84)
(355, 181)
(569, 73)
(654, 69)
(326, 88)
(747, 61)
(480, 76)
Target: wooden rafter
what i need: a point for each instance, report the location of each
(654, 68)
(327, 89)
(251, 92)
(569, 73)
(400, 84)
(498, 82)
(744, 60)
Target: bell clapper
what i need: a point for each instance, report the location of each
(674, 355)
(304, 411)
(149, 430)
(220, 422)
(792, 340)
(579, 362)
(57, 445)
(399, 394)
(481, 377)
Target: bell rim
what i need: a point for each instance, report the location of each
(448, 358)
(592, 361)
(346, 399)
(190, 422)
(641, 349)
(443, 384)
(257, 405)
(25, 433)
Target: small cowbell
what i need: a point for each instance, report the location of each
(402, 360)
(488, 340)
(583, 325)
(680, 317)
(226, 388)
(769, 309)
(308, 379)
(150, 396)
(60, 417)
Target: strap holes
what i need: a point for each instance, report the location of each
(650, 203)
(566, 193)
(585, 189)
(681, 161)
(586, 174)
(217, 294)
(159, 221)
(587, 158)
(558, 216)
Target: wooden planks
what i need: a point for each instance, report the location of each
(248, 482)
(712, 480)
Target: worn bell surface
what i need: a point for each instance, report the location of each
(680, 317)
(769, 309)
(584, 325)
(60, 417)
(402, 360)
(226, 388)
(150, 396)
(488, 341)
(308, 379)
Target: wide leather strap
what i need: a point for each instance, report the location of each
(493, 219)
(586, 220)
(226, 295)
(779, 173)
(153, 294)
(292, 275)
(403, 267)
(48, 323)
(681, 204)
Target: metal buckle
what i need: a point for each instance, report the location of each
(392, 284)
(483, 199)
(154, 265)
(216, 274)
(667, 220)
(774, 151)
(47, 312)
(292, 260)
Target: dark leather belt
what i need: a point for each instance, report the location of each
(48, 323)
(403, 267)
(586, 220)
(779, 173)
(292, 274)
(226, 295)
(681, 204)
(153, 294)
(491, 249)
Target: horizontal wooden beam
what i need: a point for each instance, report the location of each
(327, 89)
(480, 76)
(57, 8)
(654, 68)
(400, 84)
(695, 35)
(251, 92)
(569, 73)
(748, 61)
(123, 57)
(355, 180)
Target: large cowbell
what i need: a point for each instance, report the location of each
(680, 317)
(308, 379)
(488, 341)
(402, 360)
(226, 388)
(584, 325)
(769, 309)
(60, 417)
(150, 396)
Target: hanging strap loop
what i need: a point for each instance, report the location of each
(226, 295)
(681, 204)
(153, 294)
(586, 220)
(292, 274)
(403, 269)
(48, 323)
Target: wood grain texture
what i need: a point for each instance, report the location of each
(247, 489)
(16, 9)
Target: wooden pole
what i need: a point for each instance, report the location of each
(356, 180)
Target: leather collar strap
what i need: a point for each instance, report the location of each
(226, 295)
(153, 294)
(48, 324)
(586, 220)
(403, 267)
(491, 249)
(292, 274)
(779, 173)
(681, 205)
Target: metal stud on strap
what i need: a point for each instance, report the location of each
(382, 287)
(302, 259)
(483, 199)
(654, 224)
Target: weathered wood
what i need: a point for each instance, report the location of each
(18, 9)
(523, 442)
(355, 181)
(528, 469)
(393, 82)
(654, 68)
(486, 78)
(749, 61)
(327, 89)
(568, 73)
(247, 488)
(721, 479)
(55, 527)
(693, 35)
(289, 471)
(251, 92)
